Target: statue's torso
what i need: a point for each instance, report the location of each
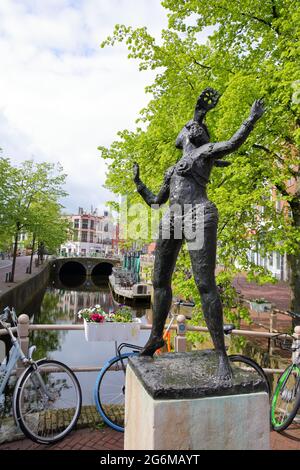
(188, 180)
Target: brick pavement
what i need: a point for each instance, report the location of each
(279, 293)
(82, 439)
(108, 439)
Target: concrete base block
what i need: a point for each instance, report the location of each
(230, 422)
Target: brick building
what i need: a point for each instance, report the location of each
(91, 234)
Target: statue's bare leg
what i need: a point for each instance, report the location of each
(165, 259)
(203, 263)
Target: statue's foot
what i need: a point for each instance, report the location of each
(153, 343)
(225, 371)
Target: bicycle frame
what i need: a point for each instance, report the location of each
(14, 356)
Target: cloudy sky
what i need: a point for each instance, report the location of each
(61, 94)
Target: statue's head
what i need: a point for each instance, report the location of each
(194, 132)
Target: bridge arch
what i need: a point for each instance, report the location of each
(72, 273)
(102, 269)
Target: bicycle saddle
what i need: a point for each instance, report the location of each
(228, 328)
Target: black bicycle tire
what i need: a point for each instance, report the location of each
(252, 363)
(295, 408)
(17, 413)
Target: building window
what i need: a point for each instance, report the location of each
(91, 238)
(278, 259)
(75, 236)
(278, 206)
(92, 224)
(271, 260)
(85, 223)
(105, 229)
(84, 237)
(76, 223)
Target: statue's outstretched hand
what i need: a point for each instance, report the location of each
(208, 99)
(136, 172)
(258, 109)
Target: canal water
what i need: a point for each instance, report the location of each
(60, 305)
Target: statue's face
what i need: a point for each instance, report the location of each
(194, 132)
(197, 134)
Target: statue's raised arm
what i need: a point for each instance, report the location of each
(220, 149)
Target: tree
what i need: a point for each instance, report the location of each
(6, 232)
(253, 50)
(26, 186)
(48, 227)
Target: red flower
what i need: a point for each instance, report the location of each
(96, 317)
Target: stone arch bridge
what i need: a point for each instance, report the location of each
(87, 266)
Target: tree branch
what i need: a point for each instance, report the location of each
(274, 11)
(293, 173)
(282, 189)
(202, 65)
(207, 67)
(256, 18)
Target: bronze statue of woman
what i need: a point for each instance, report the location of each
(185, 185)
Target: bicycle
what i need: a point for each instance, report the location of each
(47, 396)
(286, 398)
(109, 390)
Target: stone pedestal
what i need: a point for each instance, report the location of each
(175, 402)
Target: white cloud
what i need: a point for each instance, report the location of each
(60, 94)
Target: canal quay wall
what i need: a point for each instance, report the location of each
(21, 295)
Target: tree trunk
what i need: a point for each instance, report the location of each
(294, 263)
(41, 251)
(32, 252)
(13, 268)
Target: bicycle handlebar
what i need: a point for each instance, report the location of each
(294, 315)
(283, 344)
(9, 315)
(184, 303)
(5, 324)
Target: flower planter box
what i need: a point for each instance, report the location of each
(112, 331)
(261, 306)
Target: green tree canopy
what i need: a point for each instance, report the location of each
(253, 51)
(26, 188)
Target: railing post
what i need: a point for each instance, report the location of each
(273, 329)
(273, 321)
(180, 339)
(296, 343)
(23, 335)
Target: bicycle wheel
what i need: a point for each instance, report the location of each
(109, 391)
(248, 364)
(47, 401)
(286, 399)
